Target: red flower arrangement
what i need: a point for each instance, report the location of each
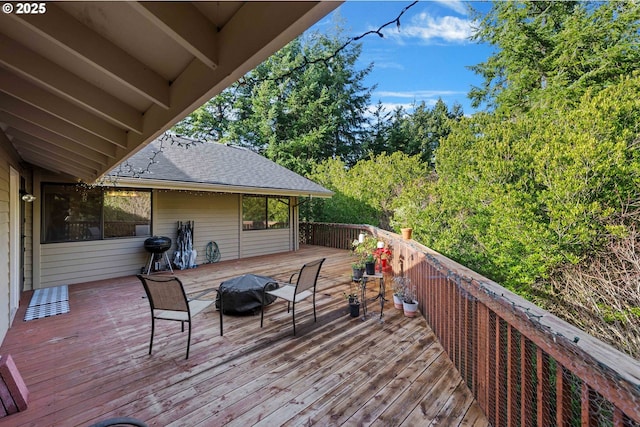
(383, 254)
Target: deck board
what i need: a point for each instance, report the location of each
(92, 363)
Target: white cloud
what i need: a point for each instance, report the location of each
(432, 29)
(455, 5)
(448, 28)
(390, 65)
(391, 106)
(390, 100)
(416, 94)
(382, 57)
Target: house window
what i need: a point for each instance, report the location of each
(127, 213)
(72, 213)
(265, 212)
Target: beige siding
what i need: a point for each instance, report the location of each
(77, 262)
(5, 315)
(262, 242)
(215, 217)
(8, 158)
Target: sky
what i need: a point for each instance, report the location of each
(425, 60)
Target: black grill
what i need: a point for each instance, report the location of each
(157, 244)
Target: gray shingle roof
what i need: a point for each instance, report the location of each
(217, 167)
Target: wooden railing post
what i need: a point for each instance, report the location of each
(482, 362)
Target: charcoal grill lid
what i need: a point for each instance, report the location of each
(157, 244)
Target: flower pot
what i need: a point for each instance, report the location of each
(354, 309)
(357, 273)
(410, 308)
(397, 302)
(370, 267)
(406, 233)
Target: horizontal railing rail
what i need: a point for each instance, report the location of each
(525, 366)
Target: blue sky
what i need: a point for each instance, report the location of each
(425, 59)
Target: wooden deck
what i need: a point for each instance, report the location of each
(92, 363)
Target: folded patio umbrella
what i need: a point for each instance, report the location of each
(185, 255)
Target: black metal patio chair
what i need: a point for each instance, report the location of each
(304, 287)
(168, 301)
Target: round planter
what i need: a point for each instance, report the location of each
(357, 273)
(410, 309)
(406, 233)
(354, 309)
(370, 268)
(397, 302)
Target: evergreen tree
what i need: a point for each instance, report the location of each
(554, 49)
(427, 126)
(295, 114)
(376, 138)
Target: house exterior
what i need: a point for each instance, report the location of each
(86, 85)
(244, 202)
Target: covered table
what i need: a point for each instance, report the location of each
(243, 294)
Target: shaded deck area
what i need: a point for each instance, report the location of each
(92, 363)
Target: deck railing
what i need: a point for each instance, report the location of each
(525, 366)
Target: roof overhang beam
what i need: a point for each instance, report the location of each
(65, 84)
(70, 34)
(185, 25)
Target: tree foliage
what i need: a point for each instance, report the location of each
(294, 116)
(367, 192)
(554, 47)
(517, 197)
(414, 133)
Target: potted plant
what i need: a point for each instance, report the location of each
(354, 308)
(402, 219)
(409, 302)
(357, 270)
(383, 255)
(363, 249)
(354, 302)
(406, 233)
(399, 285)
(370, 264)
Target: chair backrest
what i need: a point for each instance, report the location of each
(308, 275)
(165, 293)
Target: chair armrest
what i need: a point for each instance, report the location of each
(292, 276)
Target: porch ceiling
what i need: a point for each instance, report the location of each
(84, 85)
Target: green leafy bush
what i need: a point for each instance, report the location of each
(516, 197)
(367, 192)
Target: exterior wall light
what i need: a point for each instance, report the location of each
(29, 198)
